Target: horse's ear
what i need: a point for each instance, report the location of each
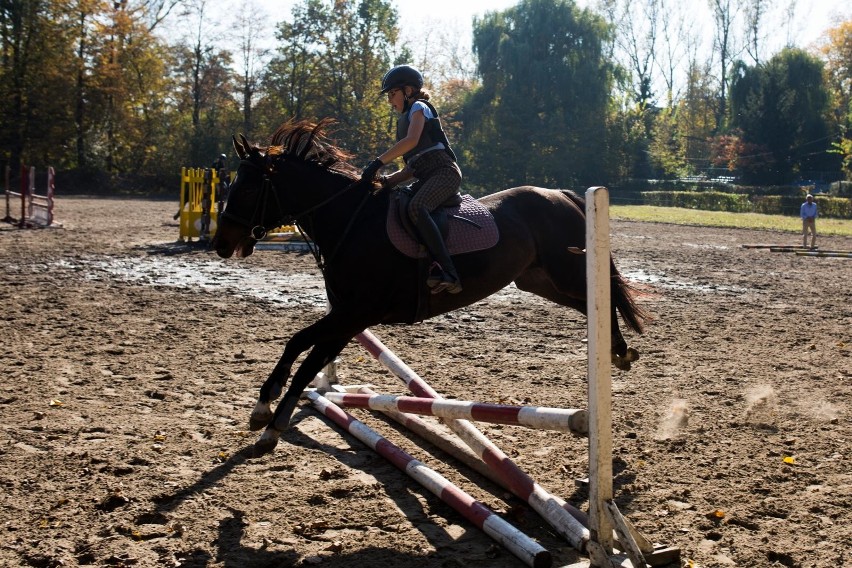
(241, 146)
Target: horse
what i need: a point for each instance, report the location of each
(303, 178)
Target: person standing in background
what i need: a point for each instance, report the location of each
(808, 212)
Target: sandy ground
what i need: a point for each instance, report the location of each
(130, 365)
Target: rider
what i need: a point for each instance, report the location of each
(428, 157)
(220, 166)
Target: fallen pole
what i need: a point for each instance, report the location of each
(789, 249)
(828, 253)
(769, 246)
(539, 417)
(549, 506)
(526, 549)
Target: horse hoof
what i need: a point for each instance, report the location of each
(259, 420)
(621, 363)
(267, 442)
(631, 355)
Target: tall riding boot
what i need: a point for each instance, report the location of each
(442, 274)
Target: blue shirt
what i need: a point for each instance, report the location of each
(808, 210)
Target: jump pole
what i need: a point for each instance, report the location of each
(538, 417)
(549, 506)
(826, 253)
(526, 549)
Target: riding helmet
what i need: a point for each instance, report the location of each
(401, 76)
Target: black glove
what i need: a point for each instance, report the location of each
(370, 171)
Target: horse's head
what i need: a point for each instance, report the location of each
(252, 206)
(300, 157)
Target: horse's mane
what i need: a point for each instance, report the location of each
(308, 141)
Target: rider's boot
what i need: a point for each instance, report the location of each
(442, 273)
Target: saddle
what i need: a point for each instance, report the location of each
(464, 222)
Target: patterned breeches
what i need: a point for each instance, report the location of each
(438, 179)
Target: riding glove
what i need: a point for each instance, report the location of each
(370, 171)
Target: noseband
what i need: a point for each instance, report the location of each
(255, 223)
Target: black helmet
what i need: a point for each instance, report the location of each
(223, 156)
(401, 76)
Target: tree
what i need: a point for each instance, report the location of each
(635, 37)
(205, 88)
(837, 51)
(755, 16)
(727, 49)
(126, 86)
(677, 43)
(35, 121)
(540, 114)
(783, 106)
(329, 64)
(249, 28)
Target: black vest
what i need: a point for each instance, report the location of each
(433, 133)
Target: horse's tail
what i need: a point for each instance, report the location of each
(622, 293)
(624, 298)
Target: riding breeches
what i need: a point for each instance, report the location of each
(438, 179)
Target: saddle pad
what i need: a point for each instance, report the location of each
(479, 233)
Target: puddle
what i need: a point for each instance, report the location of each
(661, 281)
(706, 246)
(268, 285)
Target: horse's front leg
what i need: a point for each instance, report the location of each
(321, 355)
(273, 386)
(270, 390)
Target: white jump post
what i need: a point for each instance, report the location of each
(598, 306)
(604, 516)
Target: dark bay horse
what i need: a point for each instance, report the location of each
(303, 177)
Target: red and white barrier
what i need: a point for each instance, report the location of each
(532, 553)
(441, 438)
(539, 417)
(549, 506)
(36, 210)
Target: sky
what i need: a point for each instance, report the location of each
(454, 19)
(814, 16)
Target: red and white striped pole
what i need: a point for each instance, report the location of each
(529, 551)
(549, 506)
(539, 417)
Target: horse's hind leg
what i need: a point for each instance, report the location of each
(566, 286)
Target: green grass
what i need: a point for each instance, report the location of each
(679, 216)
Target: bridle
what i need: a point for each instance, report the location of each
(255, 224)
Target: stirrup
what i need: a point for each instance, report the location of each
(451, 285)
(436, 275)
